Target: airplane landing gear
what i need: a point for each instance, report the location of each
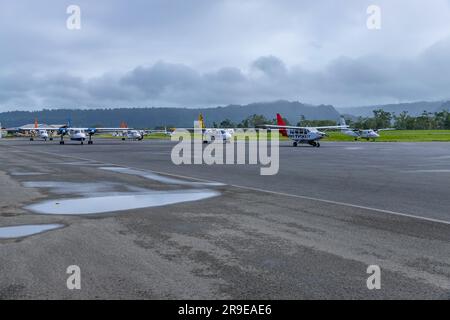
(318, 144)
(90, 140)
(62, 140)
(295, 144)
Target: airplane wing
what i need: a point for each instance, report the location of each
(103, 130)
(386, 129)
(87, 130)
(156, 131)
(273, 126)
(332, 127)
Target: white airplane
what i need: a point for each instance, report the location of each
(41, 134)
(362, 133)
(82, 134)
(36, 133)
(140, 134)
(137, 135)
(210, 134)
(308, 135)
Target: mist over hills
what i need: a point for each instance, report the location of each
(184, 117)
(413, 108)
(174, 117)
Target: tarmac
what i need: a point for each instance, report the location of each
(141, 227)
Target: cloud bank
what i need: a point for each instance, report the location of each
(207, 53)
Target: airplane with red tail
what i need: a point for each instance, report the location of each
(307, 135)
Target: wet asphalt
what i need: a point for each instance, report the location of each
(309, 232)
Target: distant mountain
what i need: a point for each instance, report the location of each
(413, 108)
(174, 117)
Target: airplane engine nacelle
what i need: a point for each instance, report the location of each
(91, 131)
(62, 131)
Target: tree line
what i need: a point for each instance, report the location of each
(381, 119)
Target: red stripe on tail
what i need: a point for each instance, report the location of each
(281, 122)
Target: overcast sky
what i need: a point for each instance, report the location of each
(200, 53)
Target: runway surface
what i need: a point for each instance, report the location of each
(310, 231)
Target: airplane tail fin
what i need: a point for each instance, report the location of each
(36, 124)
(201, 121)
(281, 122)
(343, 123)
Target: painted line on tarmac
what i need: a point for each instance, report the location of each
(343, 204)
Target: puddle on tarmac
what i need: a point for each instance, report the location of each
(18, 173)
(81, 164)
(26, 230)
(119, 202)
(156, 177)
(61, 187)
(354, 148)
(430, 171)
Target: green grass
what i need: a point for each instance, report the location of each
(399, 136)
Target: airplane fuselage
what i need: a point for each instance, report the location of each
(77, 135)
(309, 136)
(224, 135)
(40, 134)
(134, 135)
(364, 134)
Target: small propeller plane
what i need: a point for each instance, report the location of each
(136, 135)
(307, 135)
(40, 133)
(81, 134)
(362, 133)
(210, 134)
(37, 132)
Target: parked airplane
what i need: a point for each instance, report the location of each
(362, 133)
(82, 134)
(211, 134)
(39, 133)
(137, 135)
(308, 135)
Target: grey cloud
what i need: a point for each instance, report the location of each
(365, 79)
(207, 53)
(271, 66)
